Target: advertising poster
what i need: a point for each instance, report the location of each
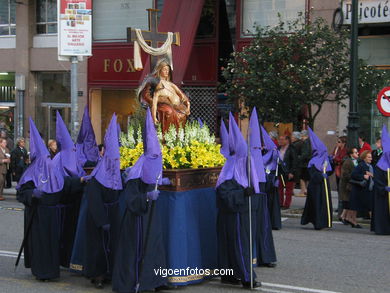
(75, 27)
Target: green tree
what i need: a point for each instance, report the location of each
(280, 73)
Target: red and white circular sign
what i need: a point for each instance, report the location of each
(383, 101)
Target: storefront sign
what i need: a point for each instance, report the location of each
(383, 101)
(74, 27)
(368, 11)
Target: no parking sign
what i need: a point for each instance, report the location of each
(383, 101)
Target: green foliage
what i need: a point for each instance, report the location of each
(280, 73)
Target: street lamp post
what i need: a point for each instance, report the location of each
(353, 118)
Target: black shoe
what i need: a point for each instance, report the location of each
(230, 280)
(356, 226)
(270, 265)
(98, 282)
(247, 285)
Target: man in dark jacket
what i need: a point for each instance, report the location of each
(19, 159)
(288, 168)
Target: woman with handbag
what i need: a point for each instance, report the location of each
(345, 186)
(362, 188)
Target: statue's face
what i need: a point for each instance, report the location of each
(164, 72)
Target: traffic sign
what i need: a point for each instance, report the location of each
(383, 101)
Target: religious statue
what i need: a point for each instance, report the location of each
(169, 105)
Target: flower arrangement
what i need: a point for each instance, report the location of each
(191, 146)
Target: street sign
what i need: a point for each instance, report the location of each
(383, 101)
(74, 27)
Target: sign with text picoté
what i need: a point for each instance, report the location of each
(74, 27)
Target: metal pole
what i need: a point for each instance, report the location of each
(20, 113)
(353, 118)
(73, 98)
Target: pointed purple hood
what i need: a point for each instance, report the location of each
(107, 171)
(319, 153)
(224, 135)
(384, 161)
(236, 164)
(270, 158)
(86, 147)
(255, 146)
(67, 157)
(149, 166)
(43, 171)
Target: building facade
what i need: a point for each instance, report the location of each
(210, 30)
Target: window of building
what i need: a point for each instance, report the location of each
(128, 13)
(46, 13)
(7, 17)
(265, 13)
(52, 94)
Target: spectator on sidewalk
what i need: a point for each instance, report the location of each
(363, 145)
(52, 146)
(297, 143)
(377, 153)
(303, 160)
(345, 186)
(4, 162)
(10, 146)
(362, 188)
(288, 168)
(19, 159)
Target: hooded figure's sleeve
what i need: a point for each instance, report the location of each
(25, 192)
(135, 193)
(96, 207)
(380, 181)
(230, 196)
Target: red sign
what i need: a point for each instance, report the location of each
(383, 101)
(113, 65)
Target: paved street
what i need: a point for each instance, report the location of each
(338, 260)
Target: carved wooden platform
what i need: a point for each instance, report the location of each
(187, 179)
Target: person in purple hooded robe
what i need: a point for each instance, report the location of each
(140, 247)
(44, 191)
(70, 166)
(86, 148)
(270, 160)
(265, 248)
(102, 214)
(233, 211)
(380, 219)
(318, 206)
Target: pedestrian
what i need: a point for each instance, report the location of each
(362, 188)
(265, 247)
(303, 161)
(140, 247)
(380, 220)
(4, 162)
(297, 143)
(345, 186)
(43, 190)
(318, 205)
(377, 153)
(274, 136)
(270, 160)
(339, 153)
(10, 146)
(363, 145)
(102, 220)
(52, 146)
(70, 167)
(288, 165)
(233, 212)
(19, 159)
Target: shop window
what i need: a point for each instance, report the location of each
(7, 17)
(265, 13)
(46, 16)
